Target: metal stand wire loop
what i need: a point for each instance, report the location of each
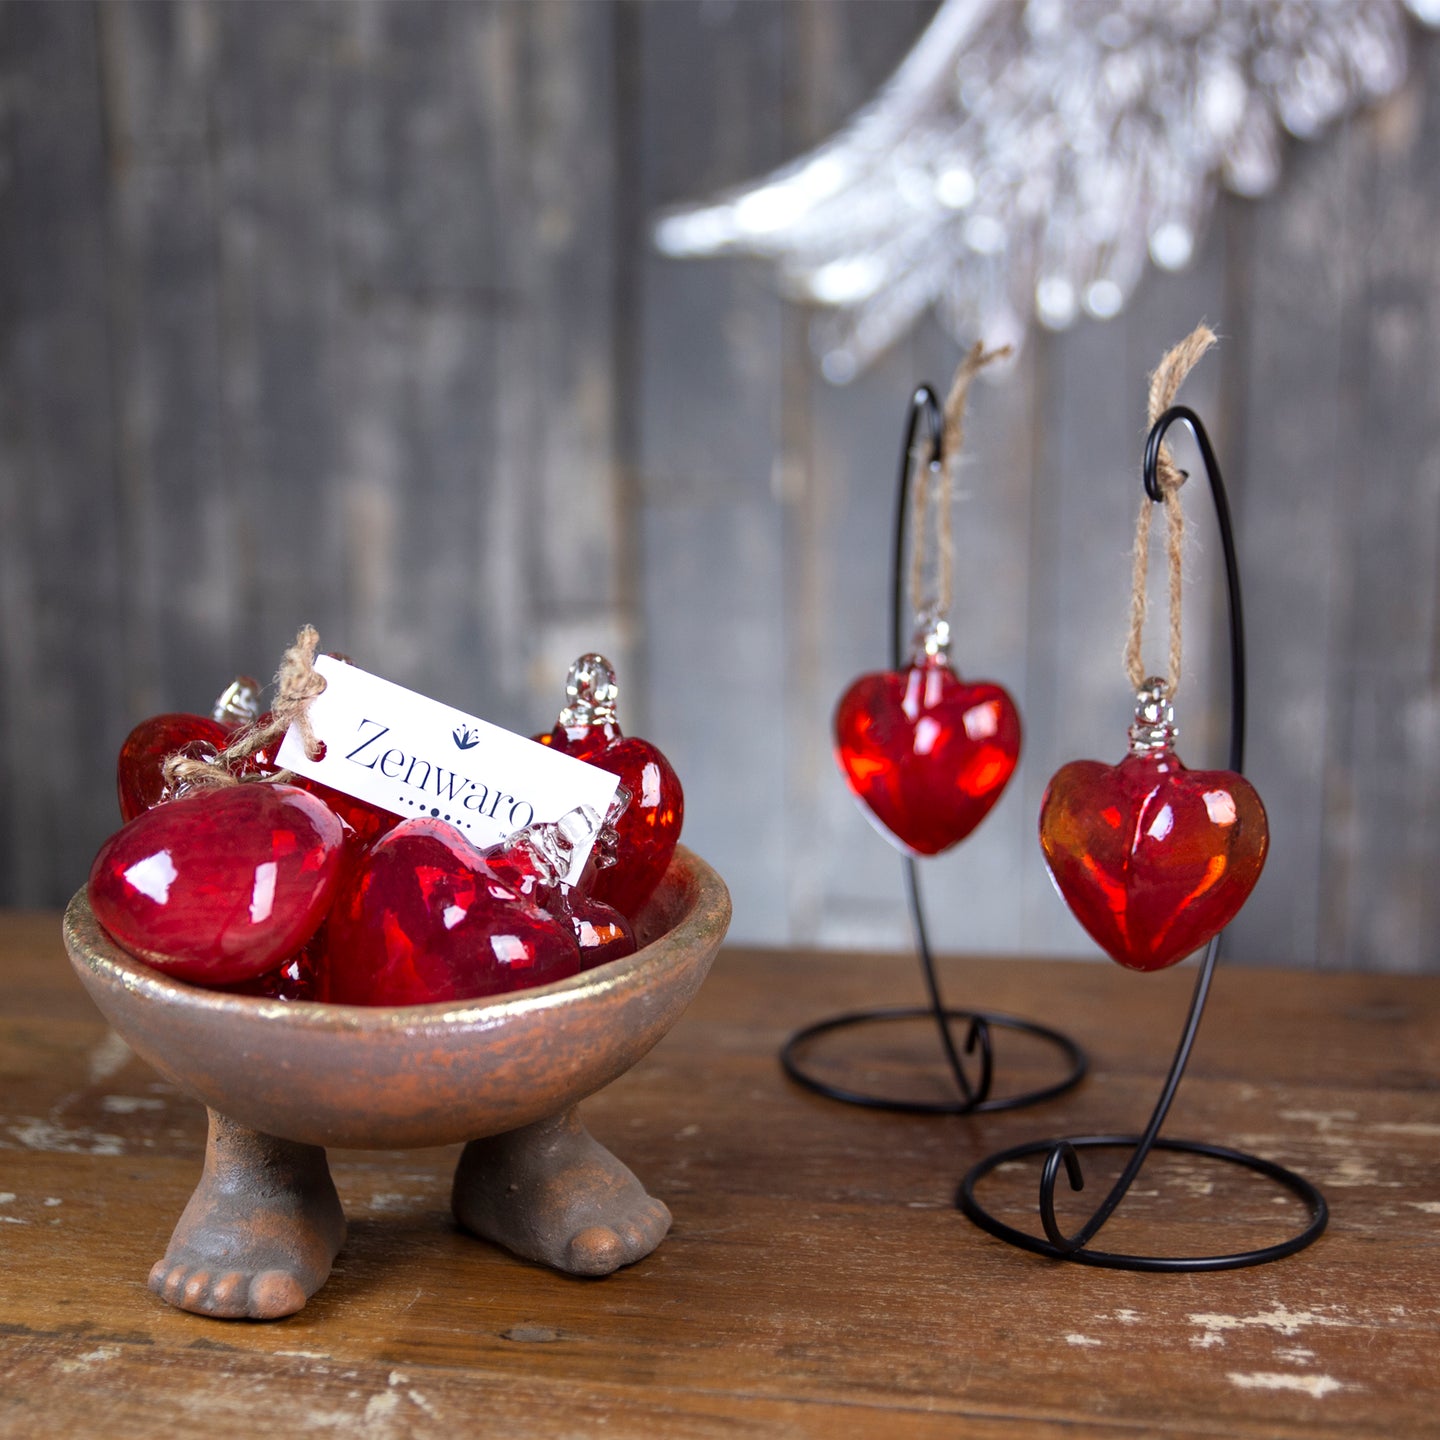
(1065, 1152)
(974, 1095)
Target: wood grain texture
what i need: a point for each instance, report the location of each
(817, 1280)
(300, 324)
(60, 569)
(347, 313)
(711, 513)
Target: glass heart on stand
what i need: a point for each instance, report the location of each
(926, 753)
(1153, 859)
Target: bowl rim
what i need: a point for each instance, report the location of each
(707, 914)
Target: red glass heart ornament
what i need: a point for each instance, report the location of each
(1152, 858)
(534, 862)
(139, 772)
(601, 931)
(365, 823)
(926, 753)
(648, 831)
(423, 918)
(222, 884)
(293, 979)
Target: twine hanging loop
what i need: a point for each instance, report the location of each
(297, 683)
(937, 460)
(1164, 384)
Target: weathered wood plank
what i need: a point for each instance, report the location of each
(559, 411)
(179, 514)
(61, 585)
(817, 1278)
(708, 465)
(1391, 703)
(423, 281)
(348, 313)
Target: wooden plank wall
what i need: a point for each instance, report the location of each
(346, 312)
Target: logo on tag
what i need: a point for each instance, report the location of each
(397, 750)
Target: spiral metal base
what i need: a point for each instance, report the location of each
(1059, 1249)
(1066, 1152)
(978, 1101)
(972, 1094)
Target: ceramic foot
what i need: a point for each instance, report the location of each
(551, 1192)
(260, 1232)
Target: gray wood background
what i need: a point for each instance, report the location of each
(345, 312)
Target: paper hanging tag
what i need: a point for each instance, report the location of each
(411, 755)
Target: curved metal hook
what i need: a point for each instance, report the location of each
(925, 411)
(1232, 565)
(978, 1037)
(1064, 1150)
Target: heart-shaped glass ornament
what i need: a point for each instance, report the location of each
(364, 822)
(293, 979)
(926, 753)
(140, 768)
(1153, 859)
(222, 884)
(649, 829)
(534, 861)
(423, 918)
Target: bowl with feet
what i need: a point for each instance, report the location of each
(284, 1080)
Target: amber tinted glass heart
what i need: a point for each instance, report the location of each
(221, 885)
(423, 919)
(926, 754)
(1152, 858)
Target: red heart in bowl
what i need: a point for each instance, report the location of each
(926, 753)
(649, 830)
(365, 822)
(221, 885)
(1152, 858)
(423, 918)
(139, 771)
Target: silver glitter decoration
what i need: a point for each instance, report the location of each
(1028, 155)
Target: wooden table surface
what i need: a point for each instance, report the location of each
(818, 1279)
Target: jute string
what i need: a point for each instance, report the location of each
(1164, 384)
(297, 683)
(952, 438)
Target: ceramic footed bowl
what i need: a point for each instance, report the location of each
(400, 1077)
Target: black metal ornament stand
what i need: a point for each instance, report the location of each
(974, 1093)
(1066, 1152)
